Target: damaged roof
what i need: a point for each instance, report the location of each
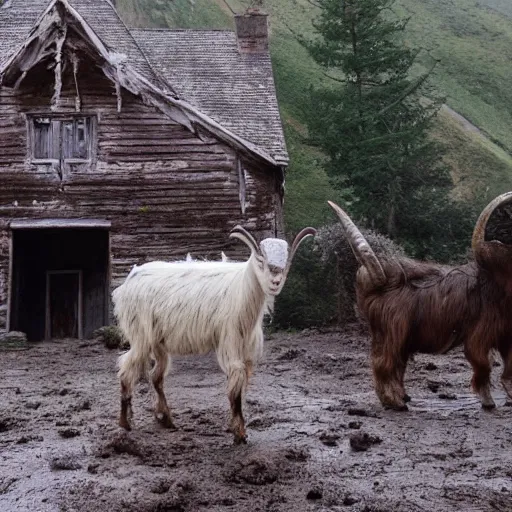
(203, 68)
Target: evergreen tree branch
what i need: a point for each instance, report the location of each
(413, 87)
(340, 80)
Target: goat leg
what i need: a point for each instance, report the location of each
(126, 406)
(506, 377)
(401, 370)
(162, 411)
(388, 371)
(481, 373)
(237, 420)
(237, 382)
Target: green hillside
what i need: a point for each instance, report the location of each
(473, 44)
(471, 40)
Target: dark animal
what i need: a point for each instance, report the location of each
(412, 306)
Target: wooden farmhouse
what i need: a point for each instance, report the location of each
(120, 146)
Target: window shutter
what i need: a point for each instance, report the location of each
(68, 143)
(81, 139)
(76, 139)
(45, 139)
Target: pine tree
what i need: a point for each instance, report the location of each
(375, 130)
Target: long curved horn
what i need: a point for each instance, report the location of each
(240, 233)
(301, 236)
(481, 223)
(360, 247)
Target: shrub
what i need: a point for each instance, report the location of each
(320, 288)
(111, 336)
(336, 252)
(307, 298)
(13, 340)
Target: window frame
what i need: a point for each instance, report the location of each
(62, 162)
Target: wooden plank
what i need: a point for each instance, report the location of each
(60, 223)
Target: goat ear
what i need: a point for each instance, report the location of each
(240, 233)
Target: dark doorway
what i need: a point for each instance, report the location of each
(64, 304)
(59, 282)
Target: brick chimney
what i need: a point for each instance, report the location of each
(252, 31)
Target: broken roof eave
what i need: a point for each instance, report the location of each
(122, 73)
(13, 66)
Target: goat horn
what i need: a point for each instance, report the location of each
(240, 233)
(481, 223)
(360, 247)
(301, 236)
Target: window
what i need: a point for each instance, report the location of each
(64, 141)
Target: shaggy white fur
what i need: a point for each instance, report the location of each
(193, 308)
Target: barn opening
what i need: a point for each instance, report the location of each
(59, 280)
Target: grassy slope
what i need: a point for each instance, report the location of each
(481, 169)
(472, 42)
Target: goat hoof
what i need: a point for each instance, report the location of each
(407, 398)
(396, 407)
(488, 406)
(165, 421)
(123, 423)
(240, 439)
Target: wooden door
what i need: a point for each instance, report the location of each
(64, 304)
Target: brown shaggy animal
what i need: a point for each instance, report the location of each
(412, 306)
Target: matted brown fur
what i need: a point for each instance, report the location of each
(431, 308)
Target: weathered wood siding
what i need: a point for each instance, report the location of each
(166, 191)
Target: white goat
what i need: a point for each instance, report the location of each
(194, 307)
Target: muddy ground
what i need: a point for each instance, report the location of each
(318, 439)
